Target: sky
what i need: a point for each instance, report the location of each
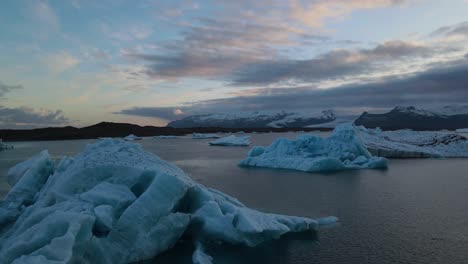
(147, 62)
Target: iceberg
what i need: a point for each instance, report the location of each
(132, 137)
(4, 146)
(342, 150)
(414, 144)
(115, 203)
(462, 130)
(232, 141)
(204, 136)
(166, 137)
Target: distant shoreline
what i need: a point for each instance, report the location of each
(108, 129)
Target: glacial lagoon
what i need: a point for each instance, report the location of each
(413, 212)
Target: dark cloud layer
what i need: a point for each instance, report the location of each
(25, 117)
(460, 29)
(337, 64)
(439, 85)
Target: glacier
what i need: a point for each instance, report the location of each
(204, 136)
(413, 144)
(132, 137)
(116, 203)
(342, 150)
(232, 141)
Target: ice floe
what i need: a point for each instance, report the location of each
(232, 141)
(132, 137)
(166, 137)
(204, 136)
(462, 130)
(341, 150)
(4, 146)
(115, 203)
(413, 144)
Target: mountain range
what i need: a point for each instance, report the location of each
(447, 117)
(257, 119)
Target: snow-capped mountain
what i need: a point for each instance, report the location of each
(447, 117)
(258, 119)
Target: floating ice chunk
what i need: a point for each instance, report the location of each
(199, 256)
(4, 146)
(232, 141)
(115, 203)
(413, 144)
(132, 137)
(166, 137)
(204, 136)
(462, 130)
(342, 150)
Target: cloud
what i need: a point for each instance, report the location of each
(5, 88)
(43, 13)
(443, 84)
(313, 13)
(460, 29)
(166, 113)
(230, 37)
(336, 64)
(60, 62)
(26, 117)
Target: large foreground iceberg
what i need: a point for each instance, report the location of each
(115, 203)
(232, 141)
(342, 150)
(414, 144)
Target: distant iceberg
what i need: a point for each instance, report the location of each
(414, 144)
(462, 130)
(232, 141)
(166, 137)
(132, 137)
(204, 136)
(342, 150)
(4, 146)
(115, 203)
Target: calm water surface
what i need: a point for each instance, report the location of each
(414, 212)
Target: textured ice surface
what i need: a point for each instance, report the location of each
(413, 144)
(132, 137)
(204, 136)
(342, 150)
(115, 203)
(232, 141)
